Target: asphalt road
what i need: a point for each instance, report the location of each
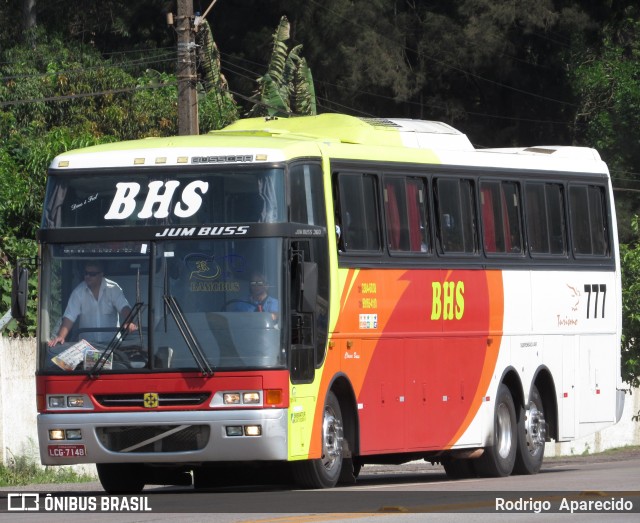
(608, 485)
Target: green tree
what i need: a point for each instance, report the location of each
(55, 97)
(213, 87)
(630, 261)
(108, 25)
(287, 86)
(606, 83)
(494, 68)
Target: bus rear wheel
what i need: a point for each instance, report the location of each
(532, 433)
(121, 478)
(324, 472)
(499, 458)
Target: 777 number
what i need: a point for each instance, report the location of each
(596, 294)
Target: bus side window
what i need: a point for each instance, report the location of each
(501, 218)
(307, 196)
(455, 211)
(405, 212)
(588, 220)
(358, 203)
(545, 219)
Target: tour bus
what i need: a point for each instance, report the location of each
(429, 301)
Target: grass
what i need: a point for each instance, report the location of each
(25, 471)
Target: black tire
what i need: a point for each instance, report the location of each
(498, 459)
(208, 478)
(532, 432)
(121, 478)
(220, 476)
(459, 468)
(324, 472)
(349, 472)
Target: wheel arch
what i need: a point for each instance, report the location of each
(343, 390)
(545, 384)
(512, 380)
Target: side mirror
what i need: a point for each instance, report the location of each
(19, 292)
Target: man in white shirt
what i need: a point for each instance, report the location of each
(97, 301)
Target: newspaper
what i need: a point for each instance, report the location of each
(70, 358)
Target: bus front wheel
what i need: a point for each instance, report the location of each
(121, 478)
(325, 471)
(499, 458)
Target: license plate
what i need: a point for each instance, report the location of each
(67, 451)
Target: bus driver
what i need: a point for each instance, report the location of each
(259, 299)
(97, 301)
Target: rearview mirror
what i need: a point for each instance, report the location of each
(19, 291)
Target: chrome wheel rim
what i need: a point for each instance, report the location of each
(535, 429)
(332, 437)
(504, 431)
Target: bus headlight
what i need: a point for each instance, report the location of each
(234, 430)
(60, 434)
(246, 430)
(252, 430)
(69, 401)
(57, 402)
(75, 401)
(231, 398)
(73, 434)
(252, 398)
(241, 397)
(56, 434)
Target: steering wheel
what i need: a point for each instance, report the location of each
(254, 307)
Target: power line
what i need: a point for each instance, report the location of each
(61, 98)
(131, 64)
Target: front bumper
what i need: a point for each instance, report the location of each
(164, 437)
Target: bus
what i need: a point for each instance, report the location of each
(429, 301)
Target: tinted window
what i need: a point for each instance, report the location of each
(545, 219)
(358, 218)
(500, 210)
(588, 222)
(307, 195)
(182, 196)
(456, 215)
(406, 216)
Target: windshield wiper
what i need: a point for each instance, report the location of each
(117, 340)
(187, 334)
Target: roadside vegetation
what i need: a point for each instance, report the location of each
(26, 470)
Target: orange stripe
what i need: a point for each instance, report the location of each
(496, 318)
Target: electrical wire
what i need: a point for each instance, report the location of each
(107, 92)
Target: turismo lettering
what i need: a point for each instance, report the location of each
(160, 196)
(448, 300)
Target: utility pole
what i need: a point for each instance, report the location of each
(186, 70)
(28, 15)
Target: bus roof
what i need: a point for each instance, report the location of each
(421, 134)
(403, 132)
(277, 139)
